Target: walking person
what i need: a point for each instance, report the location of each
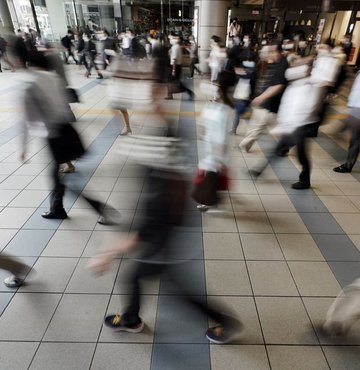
(3, 54)
(267, 101)
(91, 52)
(176, 86)
(194, 56)
(67, 43)
(353, 124)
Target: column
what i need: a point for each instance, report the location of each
(212, 21)
(57, 18)
(6, 26)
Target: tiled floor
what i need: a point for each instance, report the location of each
(277, 257)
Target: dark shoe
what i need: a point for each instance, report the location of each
(301, 185)
(87, 74)
(169, 98)
(100, 77)
(13, 281)
(342, 169)
(115, 323)
(189, 78)
(111, 217)
(254, 173)
(222, 335)
(60, 215)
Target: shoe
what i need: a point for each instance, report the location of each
(109, 217)
(13, 281)
(254, 173)
(60, 215)
(202, 207)
(114, 322)
(342, 169)
(301, 185)
(220, 335)
(100, 77)
(126, 131)
(87, 74)
(67, 169)
(232, 132)
(169, 98)
(189, 78)
(191, 96)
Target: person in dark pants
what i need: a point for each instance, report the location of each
(164, 211)
(353, 123)
(67, 43)
(194, 56)
(91, 51)
(176, 86)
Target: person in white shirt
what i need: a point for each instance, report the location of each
(175, 67)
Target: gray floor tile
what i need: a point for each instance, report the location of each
(284, 223)
(147, 313)
(185, 245)
(253, 222)
(277, 203)
(99, 240)
(220, 246)
(271, 278)
(227, 278)
(301, 247)
(9, 355)
(40, 183)
(15, 218)
(121, 356)
(297, 358)
(36, 222)
(314, 278)
(235, 357)
(66, 243)
(5, 298)
(179, 322)
(39, 308)
(84, 280)
(181, 357)
(191, 276)
(343, 358)
(82, 313)
(16, 182)
(308, 203)
(67, 356)
(50, 275)
(345, 272)
(29, 198)
(321, 223)
(80, 202)
(284, 321)
(246, 203)
(5, 236)
(6, 196)
(128, 185)
(218, 223)
(29, 242)
(337, 247)
(101, 184)
(80, 219)
(261, 247)
(244, 310)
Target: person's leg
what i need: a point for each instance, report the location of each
(192, 67)
(259, 120)
(17, 269)
(56, 197)
(353, 124)
(178, 72)
(304, 178)
(240, 108)
(127, 129)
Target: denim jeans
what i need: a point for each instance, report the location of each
(240, 108)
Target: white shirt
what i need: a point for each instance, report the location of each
(175, 53)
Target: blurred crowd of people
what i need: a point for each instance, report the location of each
(281, 83)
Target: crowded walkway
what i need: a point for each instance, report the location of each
(278, 257)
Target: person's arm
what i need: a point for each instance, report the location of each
(102, 263)
(270, 92)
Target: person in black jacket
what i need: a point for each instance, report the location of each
(67, 43)
(90, 49)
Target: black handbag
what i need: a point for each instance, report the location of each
(67, 146)
(205, 192)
